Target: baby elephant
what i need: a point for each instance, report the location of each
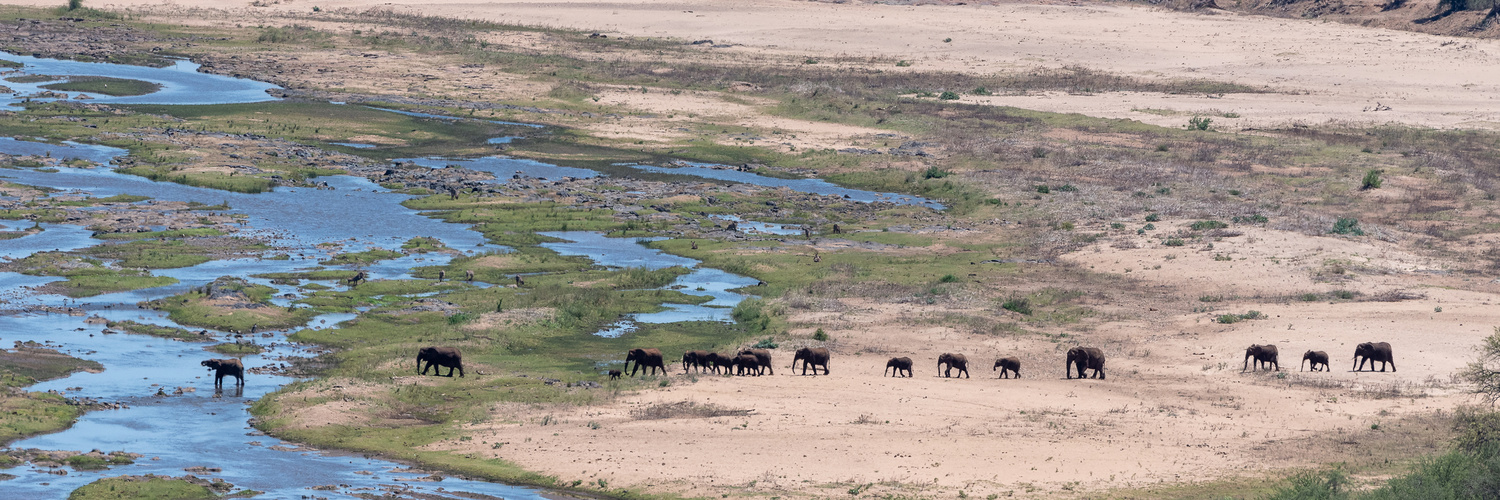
(222, 367)
(1008, 366)
(1317, 357)
(896, 366)
(614, 374)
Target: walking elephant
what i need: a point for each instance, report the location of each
(692, 359)
(650, 358)
(747, 363)
(223, 367)
(718, 361)
(1085, 357)
(1316, 357)
(815, 356)
(1372, 352)
(438, 357)
(1008, 366)
(764, 356)
(1264, 355)
(953, 361)
(897, 365)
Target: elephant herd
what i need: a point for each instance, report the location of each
(757, 362)
(1372, 352)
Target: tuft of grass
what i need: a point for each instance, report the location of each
(1371, 180)
(1348, 226)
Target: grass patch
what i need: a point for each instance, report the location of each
(169, 332)
(143, 488)
(105, 85)
(237, 348)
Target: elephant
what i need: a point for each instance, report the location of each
(714, 361)
(442, 275)
(1008, 366)
(614, 374)
(1316, 357)
(1263, 354)
(1085, 357)
(763, 355)
(697, 359)
(440, 356)
(747, 363)
(953, 361)
(896, 365)
(468, 275)
(222, 367)
(650, 358)
(1372, 352)
(815, 356)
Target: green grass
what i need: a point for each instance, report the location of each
(362, 258)
(193, 309)
(30, 413)
(138, 328)
(151, 488)
(86, 277)
(105, 85)
(196, 232)
(28, 365)
(165, 253)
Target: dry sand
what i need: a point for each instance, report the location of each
(1322, 70)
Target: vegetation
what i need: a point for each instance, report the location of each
(105, 85)
(143, 488)
(24, 414)
(86, 277)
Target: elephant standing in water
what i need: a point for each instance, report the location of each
(650, 358)
(1372, 352)
(438, 357)
(764, 356)
(815, 356)
(896, 365)
(223, 367)
(692, 359)
(1316, 357)
(1265, 355)
(1085, 357)
(953, 361)
(1011, 365)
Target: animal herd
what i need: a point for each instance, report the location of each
(757, 362)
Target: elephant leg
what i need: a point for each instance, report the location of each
(1393, 365)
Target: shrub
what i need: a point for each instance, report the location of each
(1038, 152)
(1204, 225)
(948, 95)
(1347, 226)
(1020, 305)
(1174, 242)
(1211, 298)
(766, 343)
(460, 318)
(903, 63)
(1116, 225)
(1153, 218)
(1228, 318)
(75, 5)
(948, 278)
(981, 91)
(1148, 227)
(1371, 180)
(1343, 294)
(1250, 219)
(1066, 188)
(1308, 297)
(820, 335)
(1199, 123)
(934, 172)
(1042, 188)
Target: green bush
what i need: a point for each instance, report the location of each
(1174, 242)
(1309, 297)
(981, 91)
(1199, 123)
(74, 5)
(1042, 188)
(1153, 218)
(948, 278)
(935, 173)
(766, 343)
(1020, 305)
(1347, 226)
(1371, 180)
(1250, 219)
(1204, 225)
(1228, 318)
(948, 95)
(820, 335)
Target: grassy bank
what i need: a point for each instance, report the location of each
(24, 414)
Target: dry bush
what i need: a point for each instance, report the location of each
(1396, 296)
(685, 409)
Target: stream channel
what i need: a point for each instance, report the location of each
(201, 428)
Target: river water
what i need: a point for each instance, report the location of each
(202, 428)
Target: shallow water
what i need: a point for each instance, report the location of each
(814, 186)
(625, 252)
(504, 167)
(180, 83)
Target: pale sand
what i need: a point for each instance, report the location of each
(1426, 79)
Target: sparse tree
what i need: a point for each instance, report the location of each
(1484, 372)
